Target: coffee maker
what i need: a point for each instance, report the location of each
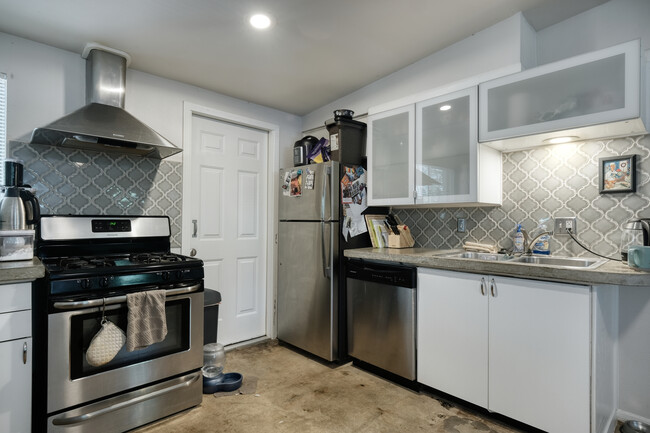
(635, 232)
(19, 208)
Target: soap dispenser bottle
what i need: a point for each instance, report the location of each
(518, 241)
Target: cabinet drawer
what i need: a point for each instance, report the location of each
(15, 325)
(15, 297)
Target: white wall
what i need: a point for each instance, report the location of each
(609, 24)
(491, 49)
(45, 83)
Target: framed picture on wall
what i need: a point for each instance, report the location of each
(617, 174)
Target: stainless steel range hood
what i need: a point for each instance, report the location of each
(103, 124)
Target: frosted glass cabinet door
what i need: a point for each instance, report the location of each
(390, 156)
(594, 88)
(446, 134)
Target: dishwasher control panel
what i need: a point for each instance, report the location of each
(382, 273)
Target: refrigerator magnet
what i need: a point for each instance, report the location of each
(286, 183)
(309, 179)
(296, 183)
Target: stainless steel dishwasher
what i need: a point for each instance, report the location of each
(381, 304)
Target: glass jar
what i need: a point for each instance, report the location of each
(214, 360)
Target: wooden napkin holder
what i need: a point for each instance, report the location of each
(403, 240)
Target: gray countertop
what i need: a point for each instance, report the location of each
(21, 270)
(611, 272)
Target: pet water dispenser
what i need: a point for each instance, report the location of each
(214, 379)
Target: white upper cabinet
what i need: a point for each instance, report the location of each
(447, 166)
(427, 153)
(595, 95)
(390, 156)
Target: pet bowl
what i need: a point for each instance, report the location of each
(225, 382)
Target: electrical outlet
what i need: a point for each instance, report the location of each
(562, 224)
(460, 225)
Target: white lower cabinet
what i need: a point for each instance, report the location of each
(16, 386)
(517, 347)
(15, 358)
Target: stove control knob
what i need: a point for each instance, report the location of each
(178, 274)
(103, 282)
(165, 275)
(86, 283)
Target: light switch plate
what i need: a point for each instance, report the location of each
(564, 223)
(460, 225)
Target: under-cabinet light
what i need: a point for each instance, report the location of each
(560, 140)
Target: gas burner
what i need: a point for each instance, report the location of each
(152, 258)
(85, 262)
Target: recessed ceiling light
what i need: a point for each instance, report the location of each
(260, 21)
(560, 140)
(445, 108)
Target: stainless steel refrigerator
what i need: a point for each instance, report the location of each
(308, 251)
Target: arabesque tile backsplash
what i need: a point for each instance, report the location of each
(549, 181)
(80, 182)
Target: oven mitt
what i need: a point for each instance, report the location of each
(105, 344)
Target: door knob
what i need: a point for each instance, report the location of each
(192, 252)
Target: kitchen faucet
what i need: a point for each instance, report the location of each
(528, 244)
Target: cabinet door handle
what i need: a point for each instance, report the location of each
(483, 286)
(493, 288)
(196, 228)
(25, 353)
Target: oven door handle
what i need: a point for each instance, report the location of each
(68, 421)
(77, 305)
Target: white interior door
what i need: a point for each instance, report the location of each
(229, 204)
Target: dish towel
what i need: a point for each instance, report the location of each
(480, 248)
(147, 323)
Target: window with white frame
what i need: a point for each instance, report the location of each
(3, 123)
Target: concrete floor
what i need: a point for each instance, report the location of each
(285, 391)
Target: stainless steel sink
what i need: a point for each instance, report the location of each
(565, 262)
(480, 256)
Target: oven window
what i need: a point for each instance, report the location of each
(84, 327)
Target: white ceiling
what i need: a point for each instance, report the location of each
(316, 52)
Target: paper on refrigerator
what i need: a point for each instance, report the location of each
(354, 201)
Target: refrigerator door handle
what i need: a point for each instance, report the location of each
(326, 267)
(323, 195)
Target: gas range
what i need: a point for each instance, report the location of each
(92, 263)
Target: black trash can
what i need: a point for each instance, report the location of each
(211, 301)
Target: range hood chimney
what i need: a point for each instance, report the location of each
(103, 124)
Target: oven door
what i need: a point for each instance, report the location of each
(72, 381)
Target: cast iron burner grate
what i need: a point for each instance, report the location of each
(150, 258)
(85, 263)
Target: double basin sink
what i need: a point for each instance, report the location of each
(564, 262)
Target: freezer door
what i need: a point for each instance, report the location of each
(318, 203)
(308, 286)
